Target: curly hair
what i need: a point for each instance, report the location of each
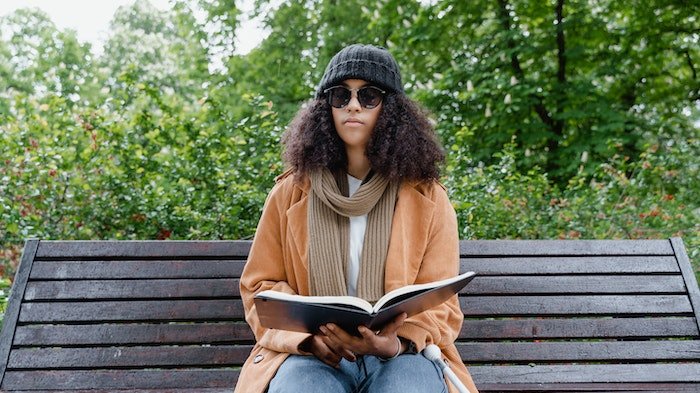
(403, 145)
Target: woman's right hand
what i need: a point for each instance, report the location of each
(315, 345)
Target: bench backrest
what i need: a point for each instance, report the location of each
(168, 315)
(567, 315)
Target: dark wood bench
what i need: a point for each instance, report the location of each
(542, 315)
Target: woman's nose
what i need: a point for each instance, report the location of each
(354, 104)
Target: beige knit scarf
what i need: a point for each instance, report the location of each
(329, 209)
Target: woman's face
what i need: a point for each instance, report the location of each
(353, 123)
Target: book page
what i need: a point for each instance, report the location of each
(338, 301)
(399, 294)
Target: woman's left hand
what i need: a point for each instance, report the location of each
(383, 344)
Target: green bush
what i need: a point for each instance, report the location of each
(154, 174)
(655, 197)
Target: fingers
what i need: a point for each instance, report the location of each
(383, 343)
(366, 333)
(337, 333)
(324, 353)
(345, 345)
(334, 338)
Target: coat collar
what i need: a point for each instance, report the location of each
(410, 225)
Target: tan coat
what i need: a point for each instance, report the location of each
(424, 247)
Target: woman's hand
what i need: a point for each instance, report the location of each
(316, 346)
(383, 344)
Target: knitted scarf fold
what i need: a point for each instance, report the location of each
(329, 209)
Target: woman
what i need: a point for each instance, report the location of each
(360, 212)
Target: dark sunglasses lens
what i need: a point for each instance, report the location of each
(339, 97)
(369, 97)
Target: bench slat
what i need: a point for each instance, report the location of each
(48, 358)
(120, 379)
(581, 352)
(168, 390)
(495, 376)
(164, 356)
(49, 249)
(604, 373)
(528, 285)
(113, 334)
(574, 305)
(132, 289)
(578, 328)
(124, 334)
(227, 288)
(154, 310)
(137, 248)
(570, 265)
(205, 310)
(586, 387)
(106, 269)
(564, 247)
(118, 357)
(77, 270)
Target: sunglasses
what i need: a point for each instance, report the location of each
(368, 96)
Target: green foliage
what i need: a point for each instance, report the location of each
(38, 59)
(5, 286)
(172, 174)
(604, 74)
(9, 258)
(162, 50)
(658, 199)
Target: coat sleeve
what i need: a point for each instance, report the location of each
(265, 269)
(440, 325)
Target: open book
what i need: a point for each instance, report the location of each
(278, 310)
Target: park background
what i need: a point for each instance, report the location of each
(560, 119)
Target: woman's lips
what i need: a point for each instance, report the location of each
(353, 121)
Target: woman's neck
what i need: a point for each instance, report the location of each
(358, 163)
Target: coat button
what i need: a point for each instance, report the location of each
(258, 359)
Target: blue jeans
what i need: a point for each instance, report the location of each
(408, 373)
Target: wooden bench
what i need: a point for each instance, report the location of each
(166, 315)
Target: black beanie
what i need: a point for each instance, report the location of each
(367, 62)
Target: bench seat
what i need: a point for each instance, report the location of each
(564, 315)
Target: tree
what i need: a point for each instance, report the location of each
(161, 50)
(40, 61)
(574, 82)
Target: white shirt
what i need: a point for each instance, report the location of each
(358, 225)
